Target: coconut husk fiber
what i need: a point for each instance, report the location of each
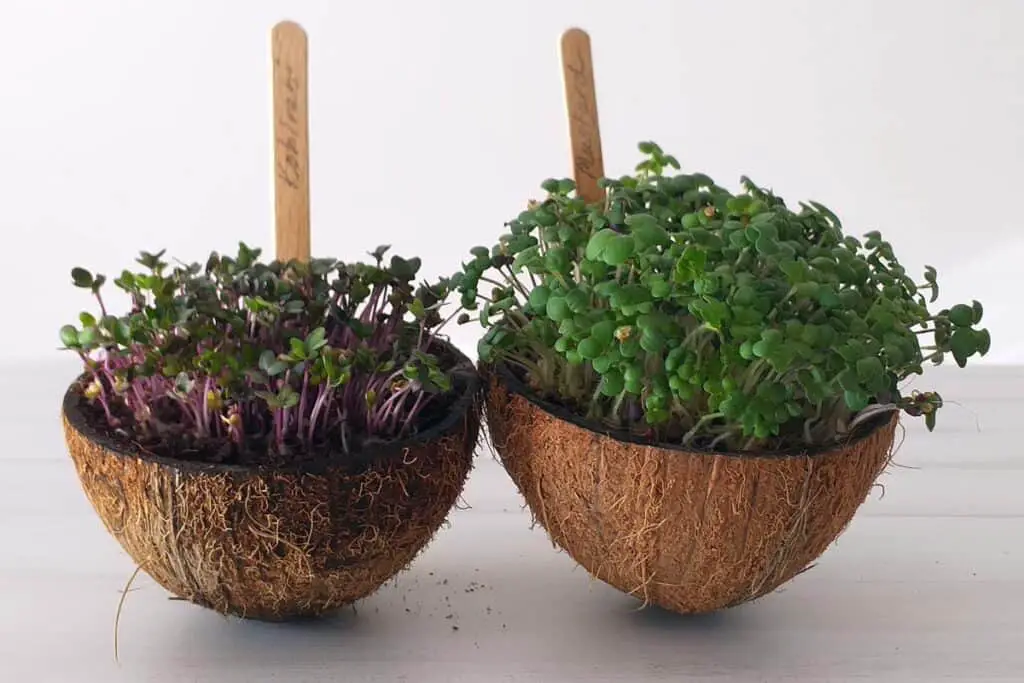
(276, 545)
(688, 531)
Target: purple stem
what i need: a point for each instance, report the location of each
(103, 309)
(370, 309)
(302, 401)
(414, 411)
(278, 431)
(386, 409)
(318, 405)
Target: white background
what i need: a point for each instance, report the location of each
(144, 125)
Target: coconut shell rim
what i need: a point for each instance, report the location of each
(517, 387)
(470, 386)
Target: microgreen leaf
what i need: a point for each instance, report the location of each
(69, 336)
(81, 278)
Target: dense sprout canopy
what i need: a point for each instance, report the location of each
(242, 360)
(681, 311)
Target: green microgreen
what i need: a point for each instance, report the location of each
(678, 310)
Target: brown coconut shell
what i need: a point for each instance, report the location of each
(283, 543)
(689, 531)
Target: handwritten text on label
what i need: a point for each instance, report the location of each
(289, 162)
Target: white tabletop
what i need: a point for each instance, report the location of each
(927, 584)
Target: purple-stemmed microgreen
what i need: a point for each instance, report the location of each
(238, 360)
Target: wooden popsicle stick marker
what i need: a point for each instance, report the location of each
(289, 49)
(581, 103)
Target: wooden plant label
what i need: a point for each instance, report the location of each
(291, 141)
(581, 103)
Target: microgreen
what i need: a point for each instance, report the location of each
(241, 360)
(689, 314)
